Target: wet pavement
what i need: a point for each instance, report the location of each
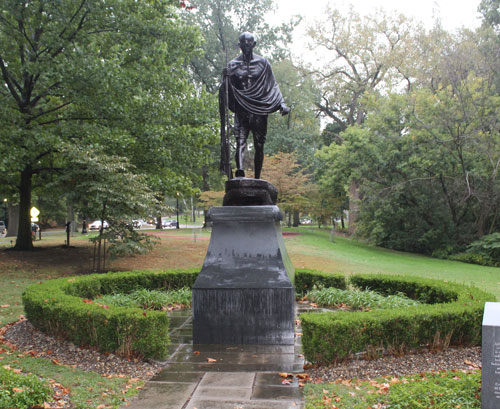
(223, 376)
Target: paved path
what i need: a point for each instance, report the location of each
(222, 376)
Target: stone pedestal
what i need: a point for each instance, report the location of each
(490, 376)
(250, 192)
(244, 293)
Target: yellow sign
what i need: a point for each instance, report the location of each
(34, 212)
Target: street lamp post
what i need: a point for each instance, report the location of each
(177, 209)
(6, 213)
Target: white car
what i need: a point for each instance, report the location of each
(97, 225)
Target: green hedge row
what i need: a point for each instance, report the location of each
(62, 307)
(306, 279)
(452, 316)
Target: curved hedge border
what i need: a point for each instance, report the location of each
(452, 315)
(61, 307)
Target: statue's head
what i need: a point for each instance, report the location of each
(247, 42)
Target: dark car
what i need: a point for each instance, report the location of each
(168, 223)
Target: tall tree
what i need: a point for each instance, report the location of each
(221, 22)
(88, 72)
(298, 132)
(286, 174)
(361, 55)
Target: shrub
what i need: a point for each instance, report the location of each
(358, 299)
(474, 258)
(452, 315)
(64, 307)
(306, 279)
(488, 246)
(148, 299)
(22, 391)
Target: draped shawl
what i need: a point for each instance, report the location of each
(263, 96)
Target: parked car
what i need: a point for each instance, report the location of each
(3, 229)
(137, 224)
(97, 225)
(168, 223)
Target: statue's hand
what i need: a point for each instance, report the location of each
(284, 110)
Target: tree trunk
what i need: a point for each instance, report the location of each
(158, 222)
(70, 218)
(353, 206)
(24, 240)
(296, 219)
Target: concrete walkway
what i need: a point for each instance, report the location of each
(222, 376)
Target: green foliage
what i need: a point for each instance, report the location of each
(488, 246)
(358, 299)
(452, 316)
(306, 279)
(105, 75)
(64, 307)
(474, 258)
(148, 299)
(22, 391)
(221, 23)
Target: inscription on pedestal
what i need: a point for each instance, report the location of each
(490, 391)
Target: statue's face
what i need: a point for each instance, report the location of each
(247, 43)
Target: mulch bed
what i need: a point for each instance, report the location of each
(23, 337)
(412, 363)
(27, 339)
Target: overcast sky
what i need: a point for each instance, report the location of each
(452, 13)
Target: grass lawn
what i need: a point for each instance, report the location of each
(314, 249)
(186, 248)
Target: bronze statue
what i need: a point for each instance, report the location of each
(251, 92)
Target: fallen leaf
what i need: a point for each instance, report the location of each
(196, 352)
(4, 306)
(211, 360)
(285, 374)
(286, 382)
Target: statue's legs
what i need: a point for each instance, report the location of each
(243, 124)
(259, 158)
(259, 127)
(242, 129)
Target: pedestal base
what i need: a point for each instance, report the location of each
(244, 292)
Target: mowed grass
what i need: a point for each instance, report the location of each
(314, 249)
(186, 248)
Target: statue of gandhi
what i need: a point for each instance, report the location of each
(251, 92)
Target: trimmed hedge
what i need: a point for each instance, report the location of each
(306, 279)
(62, 307)
(452, 315)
